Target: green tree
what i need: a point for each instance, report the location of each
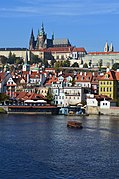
(49, 96)
(11, 58)
(45, 63)
(35, 59)
(75, 64)
(66, 63)
(3, 59)
(85, 65)
(3, 97)
(57, 66)
(18, 60)
(52, 63)
(115, 66)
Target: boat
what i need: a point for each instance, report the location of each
(74, 124)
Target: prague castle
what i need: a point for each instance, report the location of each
(43, 42)
(61, 49)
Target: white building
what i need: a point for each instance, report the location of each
(68, 95)
(91, 101)
(105, 104)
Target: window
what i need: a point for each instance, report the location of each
(104, 104)
(110, 89)
(62, 57)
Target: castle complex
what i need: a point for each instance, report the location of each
(43, 42)
(61, 49)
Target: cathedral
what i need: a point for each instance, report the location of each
(43, 42)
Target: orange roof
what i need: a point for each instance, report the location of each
(51, 80)
(84, 77)
(109, 76)
(26, 95)
(60, 49)
(81, 49)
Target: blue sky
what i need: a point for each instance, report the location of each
(86, 23)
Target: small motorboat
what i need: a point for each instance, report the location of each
(74, 124)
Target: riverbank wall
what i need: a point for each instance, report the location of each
(114, 111)
(31, 109)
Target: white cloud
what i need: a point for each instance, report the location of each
(61, 8)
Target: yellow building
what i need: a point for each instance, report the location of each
(108, 85)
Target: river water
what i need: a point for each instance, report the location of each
(42, 147)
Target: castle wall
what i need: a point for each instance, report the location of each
(107, 59)
(18, 53)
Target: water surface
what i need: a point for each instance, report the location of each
(42, 147)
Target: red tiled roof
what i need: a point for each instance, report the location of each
(111, 76)
(85, 77)
(60, 49)
(26, 95)
(51, 80)
(81, 49)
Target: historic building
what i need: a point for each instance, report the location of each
(105, 58)
(108, 84)
(59, 49)
(43, 42)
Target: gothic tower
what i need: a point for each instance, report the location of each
(111, 48)
(41, 39)
(106, 48)
(32, 41)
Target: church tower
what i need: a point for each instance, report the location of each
(41, 39)
(106, 48)
(32, 41)
(111, 48)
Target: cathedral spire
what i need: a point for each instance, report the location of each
(53, 36)
(106, 48)
(111, 48)
(32, 40)
(42, 32)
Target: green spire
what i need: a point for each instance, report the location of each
(53, 36)
(42, 32)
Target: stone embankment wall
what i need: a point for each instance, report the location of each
(98, 110)
(92, 110)
(112, 111)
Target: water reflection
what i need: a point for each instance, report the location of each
(43, 147)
